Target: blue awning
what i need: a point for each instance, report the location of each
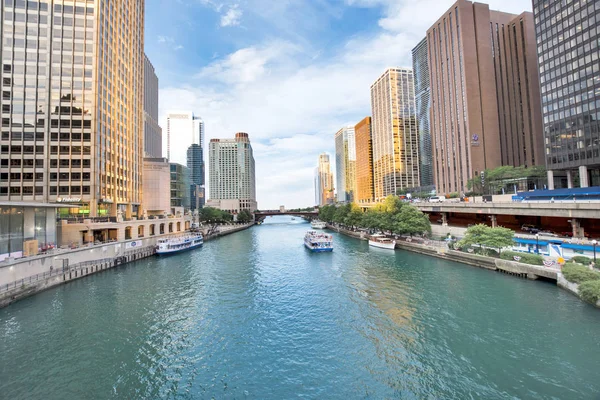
(531, 241)
(579, 247)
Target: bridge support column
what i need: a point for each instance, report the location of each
(444, 219)
(569, 179)
(550, 180)
(583, 177)
(494, 221)
(577, 229)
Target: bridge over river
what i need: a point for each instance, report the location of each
(260, 215)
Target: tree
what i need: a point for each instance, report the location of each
(354, 217)
(484, 235)
(411, 221)
(341, 213)
(244, 216)
(326, 213)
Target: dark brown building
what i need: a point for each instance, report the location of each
(485, 102)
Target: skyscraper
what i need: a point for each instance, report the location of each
(485, 108)
(345, 164)
(232, 177)
(568, 48)
(364, 162)
(152, 131)
(183, 129)
(323, 181)
(195, 164)
(423, 104)
(72, 104)
(394, 132)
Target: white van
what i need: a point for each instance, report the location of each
(437, 199)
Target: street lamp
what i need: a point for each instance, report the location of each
(537, 243)
(594, 243)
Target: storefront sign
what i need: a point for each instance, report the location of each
(69, 200)
(133, 245)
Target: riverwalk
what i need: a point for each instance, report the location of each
(25, 277)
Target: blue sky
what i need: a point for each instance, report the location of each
(288, 72)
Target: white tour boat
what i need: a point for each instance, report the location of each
(382, 242)
(316, 224)
(178, 244)
(318, 242)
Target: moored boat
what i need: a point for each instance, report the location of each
(382, 242)
(318, 242)
(316, 224)
(178, 244)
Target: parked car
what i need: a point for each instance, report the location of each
(547, 233)
(437, 199)
(529, 228)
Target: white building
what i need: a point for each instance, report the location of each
(183, 130)
(231, 174)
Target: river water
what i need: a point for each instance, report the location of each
(255, 315)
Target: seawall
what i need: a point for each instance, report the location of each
(24, 278)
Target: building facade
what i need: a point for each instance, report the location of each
(232, 174)
(394, 133)
(195, 162)
(152, 131)
(345, 164)
(324, 190)
(72, 104)
(568, 48)
(183, 130)
(180, 188)
(156, 178)
(423, 104)
(485, 109)
(364, 162)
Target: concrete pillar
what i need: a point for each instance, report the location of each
(494, 221)
(576, 227)
(128, 211)
(550, 180)
(569, 179)
(93, 208)
(583, 177)
(444, 219)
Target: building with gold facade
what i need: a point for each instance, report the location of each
(345, 164)
(364, 162)
(72, 104)
(394, 133)
(323, 181)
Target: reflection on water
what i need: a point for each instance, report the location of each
(255, 315)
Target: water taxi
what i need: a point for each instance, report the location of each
(178, 244)
(316, 224)
(318, 242)
(382, 242)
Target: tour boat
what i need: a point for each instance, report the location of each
(318, 242)
(316, 224)
(382, 242)
(178, 244)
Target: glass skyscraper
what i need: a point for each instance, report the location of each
(568, 45)
(72, 103)
(423, 104)
(345, 164)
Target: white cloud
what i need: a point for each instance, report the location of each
(232, 17)
(291, 102)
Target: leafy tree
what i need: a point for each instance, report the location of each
(484, 235)
(354, 217)
(411, 221)
(244, 216)
(326, 213)
(341, 213)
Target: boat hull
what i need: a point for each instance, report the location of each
(319, 249)
(170, 252)
(389, 246)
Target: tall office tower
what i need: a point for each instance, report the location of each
(364, 162)
(180, 187)
(195, 164)
(232, 179)
(183, 129)
(568, 48)
(485, 109)
(394, 132)
(323, 181)
(345, 164)
(423, 104)
(152, 131)
(72, 104)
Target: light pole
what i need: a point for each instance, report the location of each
(594, 243)
(537, 243)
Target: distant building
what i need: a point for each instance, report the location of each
(180, 188)
(232, 174)
(568, 49)
(323, 181)
(364, 162)
(345, 164)
(485, 95)
(156, 179)
(394, 133)
(195, 163)
(423, 105)
(152, 131)
(183, 130)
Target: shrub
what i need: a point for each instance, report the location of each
(590, 291)
(526, 258)
(579, 274)
(581, 260)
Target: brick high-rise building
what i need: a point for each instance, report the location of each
(364, 161)
(72, 104)
(485, 103)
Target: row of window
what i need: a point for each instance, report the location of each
(39, 190)
(29, 176)
(37, 163)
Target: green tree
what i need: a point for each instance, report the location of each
(354, 217)
(411, 221)
(244, 216)
(326, 213)
(484, 235)
(341, 213)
